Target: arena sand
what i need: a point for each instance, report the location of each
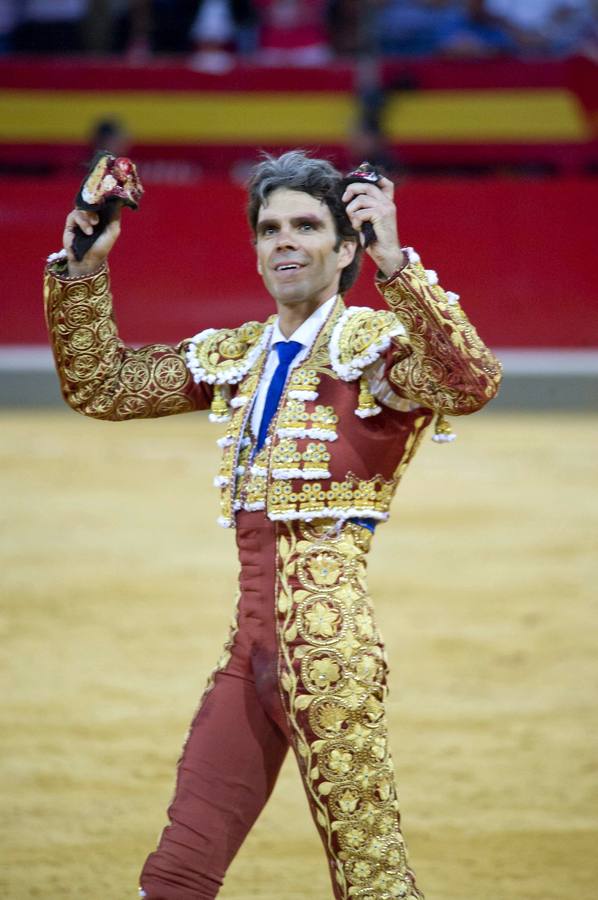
(117, 592)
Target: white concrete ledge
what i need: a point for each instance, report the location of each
(551, 361)
(26, 358)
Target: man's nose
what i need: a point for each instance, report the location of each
(286, 238)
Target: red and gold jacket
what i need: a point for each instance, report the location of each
(353, 410)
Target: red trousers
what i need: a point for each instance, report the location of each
(236, 745)
(304, 667)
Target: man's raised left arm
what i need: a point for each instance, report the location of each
(440, 363)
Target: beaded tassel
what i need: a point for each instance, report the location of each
(366, 405)
(443, 433)
(219, 411)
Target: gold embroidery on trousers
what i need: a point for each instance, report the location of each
(332, 675)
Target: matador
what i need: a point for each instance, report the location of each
(323, 407)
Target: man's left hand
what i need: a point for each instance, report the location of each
(374, 203)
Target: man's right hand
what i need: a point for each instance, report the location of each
(99, 250)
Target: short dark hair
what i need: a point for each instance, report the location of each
(296, 171)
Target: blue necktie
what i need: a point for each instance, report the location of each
(287, 351)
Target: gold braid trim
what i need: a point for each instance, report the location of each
(448, 369)
(226, 355)
(227, 651)
(221, 664)
(332, 676)
(99, 375)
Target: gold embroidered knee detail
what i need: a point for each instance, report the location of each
(332, 676)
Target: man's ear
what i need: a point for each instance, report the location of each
(347, 252)
(259, 267)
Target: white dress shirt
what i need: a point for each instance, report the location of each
(305, 335)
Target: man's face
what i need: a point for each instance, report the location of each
(295, 241)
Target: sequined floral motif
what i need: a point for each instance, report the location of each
(328, 717)
(319, 620)
(322, 569)
(332, 673)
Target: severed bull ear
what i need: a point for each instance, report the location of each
(364, 174)
(111, 183)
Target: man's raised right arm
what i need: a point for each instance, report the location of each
(99, 375)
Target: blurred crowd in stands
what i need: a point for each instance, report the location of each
(215, 33)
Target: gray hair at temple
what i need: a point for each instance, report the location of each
(296, 171)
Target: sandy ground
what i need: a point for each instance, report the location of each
(117, 589)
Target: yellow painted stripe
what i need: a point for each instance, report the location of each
(474, 116)
(229, 118)
(179, 117)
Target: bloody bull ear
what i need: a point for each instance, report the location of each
(111, 183)
(109, 177)
(366, 174)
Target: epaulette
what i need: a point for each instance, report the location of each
(359, 337)
(225, 355)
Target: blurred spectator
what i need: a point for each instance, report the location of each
(171, 23)
(293, 32)
(441, 28)
(130, 30)
(278, 32)
(142, 27)
(9, 19)
(417, 27)
(344, 20)
(480, 34)
(50, 26)
(548, 27)
(220, 28)
(298, 32)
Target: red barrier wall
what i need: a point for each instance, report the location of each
(439, 113)
(522, 254)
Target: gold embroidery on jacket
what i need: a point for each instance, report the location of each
(343, 499)
(324, 417)
(286, 455)
(304, 383)
(363, 331)
(449, 368)
(332, 673)
(99, 376)
(235, 464)
(293, 416)
(288, 461)
(411, 445)
(220, 355)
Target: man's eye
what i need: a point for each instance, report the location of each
(269, 229)
(306, 226)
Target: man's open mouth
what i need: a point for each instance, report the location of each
(286, 267)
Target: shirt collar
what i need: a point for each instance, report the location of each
(307, 331)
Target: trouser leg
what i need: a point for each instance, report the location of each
(333, 679)
(226, 774)
(236, 745)
(319, 644)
